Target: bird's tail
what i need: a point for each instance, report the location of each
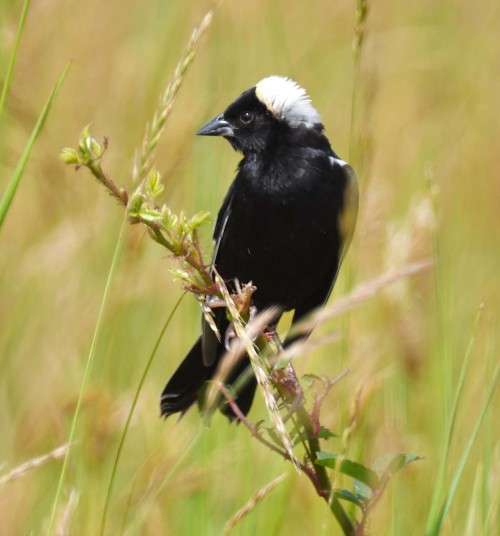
(187, 384)
(183, 388)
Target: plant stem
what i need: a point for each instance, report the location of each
(249, 425)
(131, 412)
(86, 374)
(289, 378)
(13, 56)
(8, 195)
(119, 194)
(341, 516)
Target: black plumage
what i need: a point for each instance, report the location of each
(285, 222)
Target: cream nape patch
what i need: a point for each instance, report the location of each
(287, 101)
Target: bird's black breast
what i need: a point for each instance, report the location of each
(279, 227)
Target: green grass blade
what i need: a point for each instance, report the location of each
(132, 409)
(437, 524)
(341, 516)
(13, 56)
(135, 524)
(450, 428)
(10, 191)
(86, 372)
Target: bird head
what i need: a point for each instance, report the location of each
(270, 109)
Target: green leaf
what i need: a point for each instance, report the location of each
(154, 186)
(10, 191)
(69, 156)
(150, 214)
(169, 219)
(341, 516)
(135, 204)
(324, 433)
(399, 461)
(326, 459)
(347, 495)
(89, 149)
(199, 219)
(359, 472)
(13, 56)
(362, 491)
(348, 467)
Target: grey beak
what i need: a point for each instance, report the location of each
(218, 126)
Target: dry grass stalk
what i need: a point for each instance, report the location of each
(252, 503)
(67, 513)
(144, 160)
(254, 328)
(259, 368)
(34, 463)
(304, 346)
(360, 294)
(354, 415)
(360, 27)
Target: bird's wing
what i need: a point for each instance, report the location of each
(349, 212)
(212, 348)
(221, 223)
(346, 225)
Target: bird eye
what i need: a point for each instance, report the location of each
(246, 118)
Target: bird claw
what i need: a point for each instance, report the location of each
(214, 302)
(228, 337)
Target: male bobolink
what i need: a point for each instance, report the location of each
(285, 223)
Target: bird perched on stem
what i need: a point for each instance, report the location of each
(285, 223)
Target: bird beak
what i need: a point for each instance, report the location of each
(218, 126)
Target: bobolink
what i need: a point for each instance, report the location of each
(285, 223)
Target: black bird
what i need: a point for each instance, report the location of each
(285, 223)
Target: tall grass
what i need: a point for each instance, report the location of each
(436, 520)
(433, 521)
(12, 185)
(86, 374)
(133, 406)
(13, 57)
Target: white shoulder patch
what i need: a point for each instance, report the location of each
(340, 162)
(287, 101)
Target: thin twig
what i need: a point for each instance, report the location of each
(120, 194)
(254, 431)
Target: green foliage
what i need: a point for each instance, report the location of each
(436, 522)
(89, 150)
(348, 467)
(435, 512)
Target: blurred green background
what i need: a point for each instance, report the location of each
(426, 144)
